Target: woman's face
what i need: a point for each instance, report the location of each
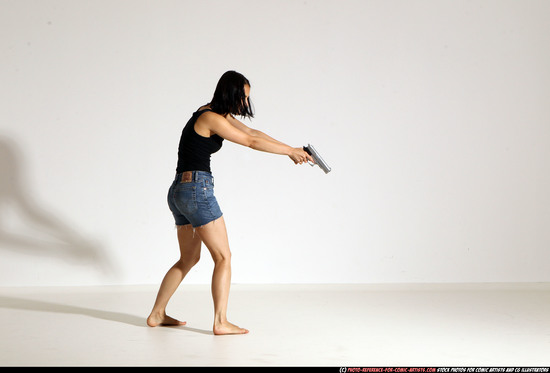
(246, 93)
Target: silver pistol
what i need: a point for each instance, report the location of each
(317, 158)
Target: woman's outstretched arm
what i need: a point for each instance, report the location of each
(253, 132)
(237, 132)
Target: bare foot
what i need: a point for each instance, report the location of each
(163, 320)
(228, 328)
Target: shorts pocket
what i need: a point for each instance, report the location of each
(186, 199)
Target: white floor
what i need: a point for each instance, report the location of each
(291, 325)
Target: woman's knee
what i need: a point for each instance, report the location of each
(195, 259)
(189, 260)
(222, 258)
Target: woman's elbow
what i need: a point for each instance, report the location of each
(252, 142)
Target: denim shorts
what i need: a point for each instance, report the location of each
(193, 202)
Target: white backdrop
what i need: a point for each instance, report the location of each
(434, 115)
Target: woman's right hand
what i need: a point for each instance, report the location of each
(299, 156)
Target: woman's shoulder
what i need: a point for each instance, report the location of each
(208, 121)
(206, 113)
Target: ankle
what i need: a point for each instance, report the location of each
(158, 312)
(220, 320)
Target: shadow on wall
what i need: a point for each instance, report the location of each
(38, 232)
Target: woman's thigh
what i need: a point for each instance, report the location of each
(189, 242)
(214, 236)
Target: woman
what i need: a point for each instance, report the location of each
(191, 196)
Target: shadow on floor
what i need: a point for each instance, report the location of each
(125, 318)
(42, 306)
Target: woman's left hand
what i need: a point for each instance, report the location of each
(299, 156)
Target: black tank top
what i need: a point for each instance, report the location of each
(194, 150)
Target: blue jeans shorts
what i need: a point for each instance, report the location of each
(191, 199)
